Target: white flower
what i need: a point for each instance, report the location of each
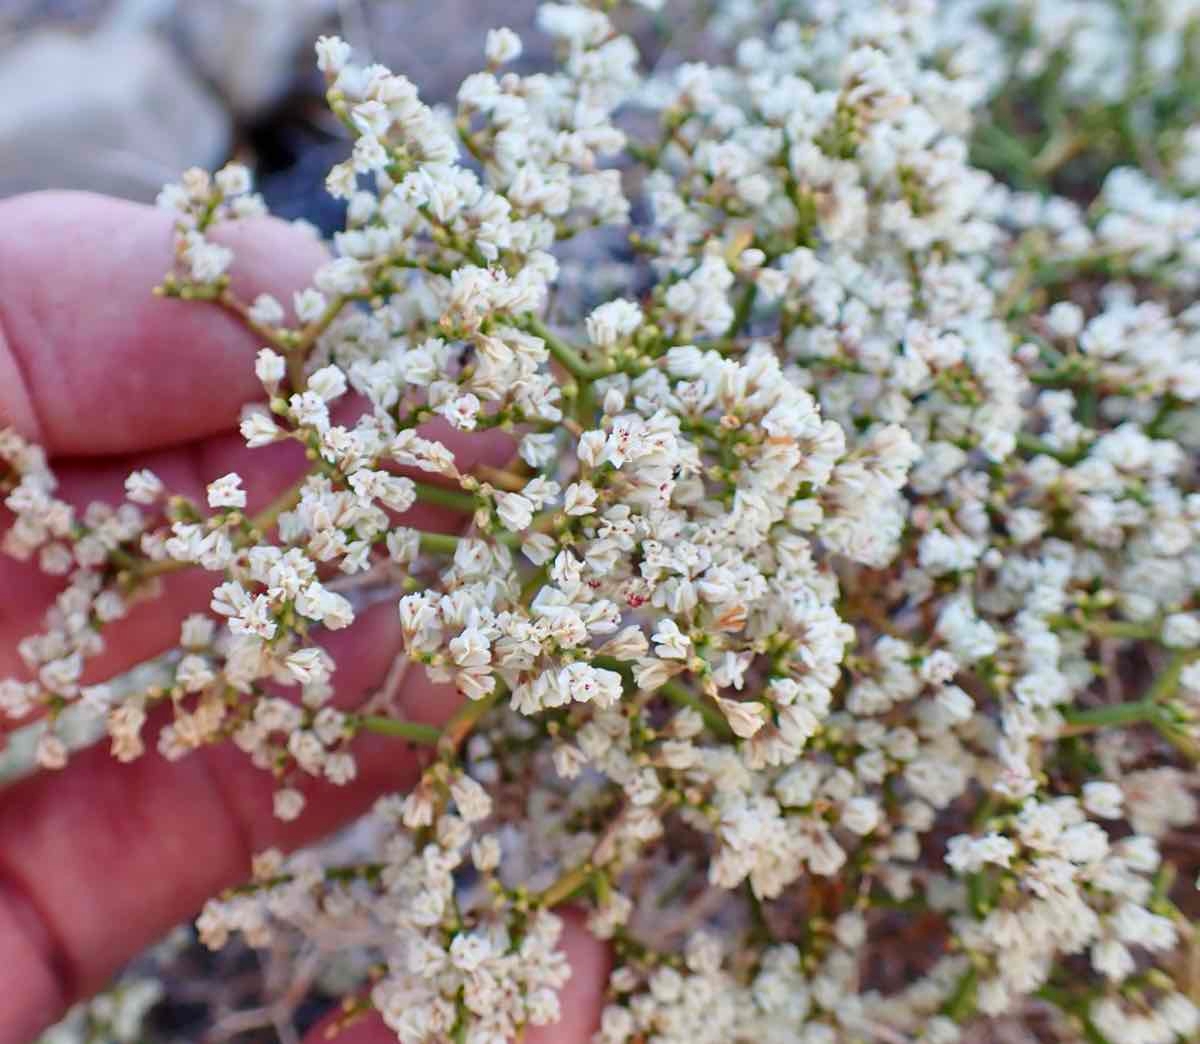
(515, 511)
(587, 684)
(288, 803)
(860, 815)
(207, 262)
(143, 487)
(538, 450)
(270, 368)
(329, 383)
(1065, 319)
(966, 855)
(469, 952)
(372, 117)
(1181, 630)
(226, 492)
(462, 412)
(233, 179)
(1180, 1013)
(196, 632)
(267, 311)
(309, 305)
(1112, 960)
(309, 665)
(472, 800)
(612, 322)
(503, 46)
(669, 642)
(332, 54)
(327, 607)
(344, 275)
(745, 718)
(258, 429)
(341, 768)
(471, 649)
(579, 499)
(1103, 799)
(51, 752)
(485, 853)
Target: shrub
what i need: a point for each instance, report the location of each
(831, 638)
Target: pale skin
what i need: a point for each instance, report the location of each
(101, 859)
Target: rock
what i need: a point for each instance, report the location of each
(133, 15)
(111, 112)
(251, 49)
(437, 44)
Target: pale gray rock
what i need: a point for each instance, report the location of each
(116, 112)
(251, 49)
(435, 43)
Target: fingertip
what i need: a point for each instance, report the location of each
(367, 1029)
(91, 362)
(582, 998)
(272, 256)
(471, 449)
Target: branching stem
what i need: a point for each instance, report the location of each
(413, 731)
(570, 358)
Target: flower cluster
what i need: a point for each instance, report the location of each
(832, 636)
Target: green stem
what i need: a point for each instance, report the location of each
(566, 886)
(1130, 629)
(298, 351)
(961, 1002)
(741, 315)
(420, 265)
(439, 543)
(142, 569)
(1162, 415)
(1063, 147)
(569, 357)
(1151, 709)
(269, 335)
(1016, 289)
(1070, 373)
(448, 543)
(1167, 681)
(463, 723)
(468, 140)
(1006, 152)
(684, 697)
(1164, 879)
(1033, 445)
(353, 872)
(456, 499)
(414, 732)
(758, 915)
(1133, 713)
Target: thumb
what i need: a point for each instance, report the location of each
(582, 999)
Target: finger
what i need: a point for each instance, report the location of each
(153, 626)
(98, 861)
(90, 361)
(583, 997)
(582, 1000)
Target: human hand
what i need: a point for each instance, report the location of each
(98, 861)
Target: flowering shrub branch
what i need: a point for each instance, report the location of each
(847, 504)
